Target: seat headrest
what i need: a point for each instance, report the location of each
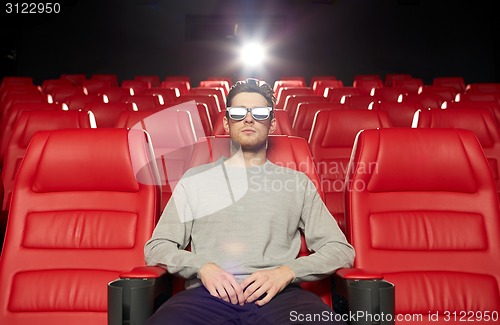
(343, 125)
(50, 120)
(480, 121)
(402, 159)
(84, 160)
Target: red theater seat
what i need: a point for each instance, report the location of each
(338, 95)
(457, 83)
(305, 114)
(143, 102)
(106, 114)
(76, 79)
(9, 121)
(79, 218)
(362, 102)
(172, 145)
(400, 114)
(61, 93)
(212, 102)
(113, 94)
(293, 101)
(216, 91)
(480, 121)
(367, 87)
(184, 86)
(26, 125)
(422, 209)
(223, 84)
(391, 77)
(49, 84)
(331, 141)
(284, 92)
(152, 81)
(278, 84)
(412, 85)
(135, 87)
(110, 79)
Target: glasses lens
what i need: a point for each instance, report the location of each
(260, 113)
(237, 113)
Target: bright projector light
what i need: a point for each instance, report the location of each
(252, 54)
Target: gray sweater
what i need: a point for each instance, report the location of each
(244, 220)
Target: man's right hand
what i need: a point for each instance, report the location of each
(221, 284)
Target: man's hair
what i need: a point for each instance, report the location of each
(251, 85)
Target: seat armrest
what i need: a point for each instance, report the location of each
(369, 296)
(136, 294)
(144, 272)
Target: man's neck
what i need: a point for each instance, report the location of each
(247, 158)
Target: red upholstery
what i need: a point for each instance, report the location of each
(217, 91)
(79, 102)
(109, 78)
(401, 114)
(483, 88)
(94, 87)
(60, 93)
(412, 85)
(289, 151)
(76, 79)
(331, 142)
(49, 84)
(391, 77)
(283, 124)
(183, 85)
(224, 84)
(480, 121)
(366, 87)
(152, 81)
(172, 145)
(427, 100)
(278, 84)
(135, 87)
(304, 117)
(211, 101)
(168, 95)
(113, 94)
(338, 95)
(320, 85)
(457, 83)
(106, 114)
(362, 102)
(422, 209)
(284, 92)
(293, 101)
(8, 122)
(446, 92)
(389, 94)
(28, 123)
(78, 219)
(143, 102)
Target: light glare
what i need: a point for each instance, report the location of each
(252, 54)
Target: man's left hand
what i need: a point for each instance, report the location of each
(269, 282)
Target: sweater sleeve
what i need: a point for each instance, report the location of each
(330, 249)
(171, 236)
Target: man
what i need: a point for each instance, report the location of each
(245, 234)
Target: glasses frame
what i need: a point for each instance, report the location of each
(249, 110)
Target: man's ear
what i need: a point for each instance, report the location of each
(225, 123)
(272, 126)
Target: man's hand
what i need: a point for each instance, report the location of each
(269, 282)
(221, 284)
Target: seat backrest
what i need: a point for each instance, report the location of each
(293, 101)
(79, 218)
(411, 85)
(284, 92)
(7, 124)
(362, 102)
(304, 116)
(288, 151)
(367, 87)
(211, 101)
(401, 114)
(28, 123)
(422, 209)
(480, 121)
(338, 95)
(331, 141)
(173, 133)
(106, 114)
(458, 83)
(143, 102)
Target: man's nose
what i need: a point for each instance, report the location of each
(249, 118)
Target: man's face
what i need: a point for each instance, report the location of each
(249, 133)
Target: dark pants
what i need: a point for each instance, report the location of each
(293, 305)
